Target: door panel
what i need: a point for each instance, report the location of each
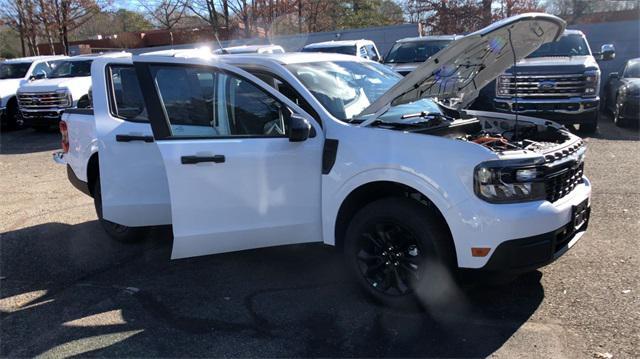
(235, 180)
(132, 177)
(263, 194)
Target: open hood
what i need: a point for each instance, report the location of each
(456, 74)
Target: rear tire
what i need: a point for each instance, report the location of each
(116, 231)
(400, 253)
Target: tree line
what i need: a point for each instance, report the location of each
(33, 22)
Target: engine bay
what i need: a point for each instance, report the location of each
(500, 135)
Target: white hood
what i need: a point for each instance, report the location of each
(9, 87)
(78, 86)
(552, 61)
(458, 72)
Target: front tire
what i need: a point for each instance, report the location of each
(590, 127)
(617, 109)
(13, 118)
(400, 253)
(116, 231)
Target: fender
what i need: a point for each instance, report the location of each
(332, 202)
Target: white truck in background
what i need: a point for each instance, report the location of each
(13, 74)
(247, 151)
(67, 86)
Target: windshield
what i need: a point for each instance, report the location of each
(632, 70)
(71, 69)
(346, 88)
(404, 52)
(347, 50)
(569, 45)
(14, 71)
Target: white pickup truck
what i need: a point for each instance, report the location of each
(67, 86)
(246, 151)
(13, 74)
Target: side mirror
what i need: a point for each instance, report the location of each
(39, 76)
(614, 76)
(299, 128)
(607, 52)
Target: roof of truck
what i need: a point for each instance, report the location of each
(572, 32)
(243, 49)
(430, 38)
(333, 43)
(296, 57)
(33, 58)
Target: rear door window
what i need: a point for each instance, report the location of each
(126, 101)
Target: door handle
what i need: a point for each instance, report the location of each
(129, 138)
(190, 160)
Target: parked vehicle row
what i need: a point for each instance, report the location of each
(246, 151)
(622, 94)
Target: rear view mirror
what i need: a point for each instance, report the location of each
(299, 128)
(607, 52)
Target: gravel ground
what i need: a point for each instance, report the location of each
(66, 289)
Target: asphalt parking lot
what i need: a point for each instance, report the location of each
(66, 289)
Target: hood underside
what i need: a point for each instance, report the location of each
(457, 73)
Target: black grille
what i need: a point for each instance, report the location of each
(560, 183)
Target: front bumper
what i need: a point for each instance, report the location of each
(630, 109)
(573, 110)
(525, 254)
(475, 223)
(42, 117)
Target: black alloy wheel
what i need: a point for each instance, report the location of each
(389, 258)
(399, 251)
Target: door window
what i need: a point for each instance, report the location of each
(41, 69)
(126, 101)
(204, 103)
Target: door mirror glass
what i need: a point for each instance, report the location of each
(614, 75)
(607, 52)
(299, 128)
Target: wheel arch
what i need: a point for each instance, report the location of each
(371, 191)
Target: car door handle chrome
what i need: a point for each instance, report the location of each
(129, 138)
(190, 160)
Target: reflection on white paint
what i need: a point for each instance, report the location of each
(84, 345)
(112, 317)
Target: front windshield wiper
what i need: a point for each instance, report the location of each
(426, 115)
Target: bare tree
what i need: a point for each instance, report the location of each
(12, 14)
(47, 21)
(205, 10)
(167, 13)
(71, 14)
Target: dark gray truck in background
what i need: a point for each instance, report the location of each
(560, 81)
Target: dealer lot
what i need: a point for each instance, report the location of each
(67, 289)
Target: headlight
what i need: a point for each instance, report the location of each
(591, 82)
(503, 85)
(509, 181)
(68, 96)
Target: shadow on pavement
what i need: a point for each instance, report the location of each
(69, 290)
(28, 141)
